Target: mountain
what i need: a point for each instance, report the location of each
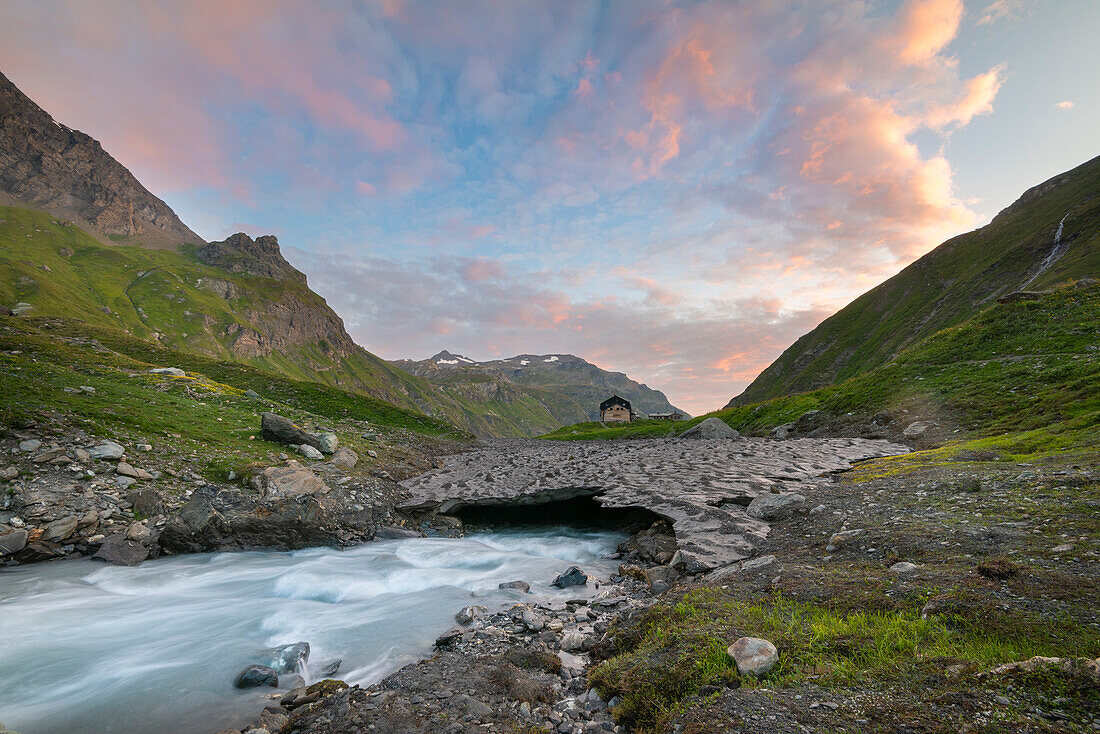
(81, 238)
(570, 387)
(66, 173)
(1050, 234)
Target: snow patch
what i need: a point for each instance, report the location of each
(550, 359)
(524, 361)
(447, 361)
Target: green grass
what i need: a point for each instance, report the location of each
(677, 647)
(945, 287)
(1028, 369)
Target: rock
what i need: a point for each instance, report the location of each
(29, 445)
(147, 502)
(449, 636)
(108, 450)
(782, 431)
(1063, 548)
(118, 551)
(141, 533)
(809, 420)
(753, 656)
(820, 509)
(128, 470)
(775, 506)
(518, 585)
(87, 389)
(904, 567)
(13, 542)
(171, 371)
(282, 430)
(250, 393)
(572, 641)
(917, 429)
(328, 442)
(572, 577)
(395, 533)
(345, 458)
(282, 482)
(146, 447)
(757, 565)
(287, 658)
(709, 429)
(654, 544)
(8, 473)
(331, 669)
(474, 708)
(839, 540)
(60, 529)
(532, 621)
(665, 575)
(255, 676)
(309, 452)
(465, 615)
(124, 482)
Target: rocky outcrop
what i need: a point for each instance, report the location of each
(63, 171)
(711, 428)
(261, 257)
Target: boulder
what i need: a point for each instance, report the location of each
(287, 658)
(327, 442)
(171, 371)
(573, 641)
(660, 578)
(108, 450)
(30, 445)
(572, 577)
(782, 431)
(118, 551)
(282, 430)
(710, 428)
(9, 473)
(654, 544)
(282, 482)
(250, 393)
(13, 542)
(517, 585)
(128, 470)
(775, 506)
(917, 429)
(465, 615)
(310, 453)
(141, 533)
(753, 656)
(147, 502)
(904, 567)
(344, 458)
(449, 637)
(257, 675)
(58, 530)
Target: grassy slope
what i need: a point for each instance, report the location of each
(155, 295)
(205, 412)
(1029, 369)
(946, 287)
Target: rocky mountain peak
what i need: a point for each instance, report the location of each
(449, 358)
(67, 173)
(239, 253)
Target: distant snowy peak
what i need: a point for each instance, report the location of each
(446, 358)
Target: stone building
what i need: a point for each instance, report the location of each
(616, 410)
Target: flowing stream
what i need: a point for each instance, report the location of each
(91, 648)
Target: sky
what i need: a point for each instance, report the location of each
(675, 190)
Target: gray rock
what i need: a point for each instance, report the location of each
(475, 708)
(147, 502)
(448, 637)
(328, 442)
(309, 452)
(345, 458)
(282, 430)
(710, 428)
(465, 615)
(60, 529)
(331, 669)
(782, 431)
(87, 389)
(257, 675)
(572, 641)
(13, 542)
(532, 621)
(250, 393)
(172, 371)
(8, 473)
(29, 445)
(287, 658)
(918, 429)
(128, 470)
(572, 577)
(518, 585)
(904, 567)
(118, 551)
(663, 575)
(753, 656)
(108, 450)
(758, 564)
(141, 533)
(283, 482)
(775, 506)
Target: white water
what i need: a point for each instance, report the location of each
(1055, 254)
(91, 648)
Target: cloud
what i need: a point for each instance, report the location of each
(999, 10)
(1066, 105)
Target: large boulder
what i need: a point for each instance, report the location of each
(918, 429)
(58, 530)
(13, 542)
(710, 428)
(118, 551)
(572, 577)
(753, 656)
(775, 506)
(257, 675)
(287, 658)
(282, 430)
(344, 458)
(328, 442)
(294, 480)
(107, 450)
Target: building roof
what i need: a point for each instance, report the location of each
(613, 401)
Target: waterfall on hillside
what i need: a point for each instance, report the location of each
(1056, 252)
